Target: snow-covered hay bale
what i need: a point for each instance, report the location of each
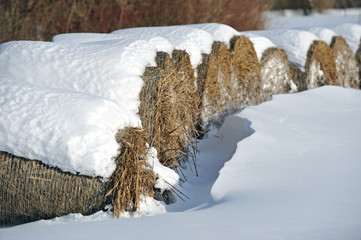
(169, 106)
(213, 84)
(346, 65)
(276, 73)
(320, 67)
(31, 190)
(245, 72)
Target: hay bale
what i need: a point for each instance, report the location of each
(131, 179)
(245, 73)
(213, 84)
(346, 65)
(320, 67)
(275, 73)
(31, 190)
(168, 106)
(358, 60)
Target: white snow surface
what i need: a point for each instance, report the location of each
(285, 169)
(296, 43)
(194, 40)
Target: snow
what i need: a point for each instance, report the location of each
(285, 169)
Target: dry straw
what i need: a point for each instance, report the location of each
(132, 178)
(169, 106)
(214, 85)
(346, 65)
(275, 73)
(320, 67)
(245, 72)
(31, 190)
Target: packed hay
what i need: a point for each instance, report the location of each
(346, 65)
(245, 73)
(132, 178)
(358, 60)
(320, 67)
(214, 85)
(275, 73)
(31, 190)
(169, 106)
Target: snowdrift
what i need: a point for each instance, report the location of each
(111, 106)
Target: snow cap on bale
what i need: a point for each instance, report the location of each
(194, 41)
(220, 32)
(346, 65)
(245, 72)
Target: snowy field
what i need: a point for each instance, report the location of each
(285, 169)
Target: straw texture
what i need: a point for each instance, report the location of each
(320, 65)
(31, 190)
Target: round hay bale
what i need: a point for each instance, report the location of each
(358, 60)
(275, 73)
(320, 67)
(213, 84)
(31, 190)
(245, 72)
(346, 65)
(168, 106)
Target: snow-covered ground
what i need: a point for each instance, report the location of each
(286, 169)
